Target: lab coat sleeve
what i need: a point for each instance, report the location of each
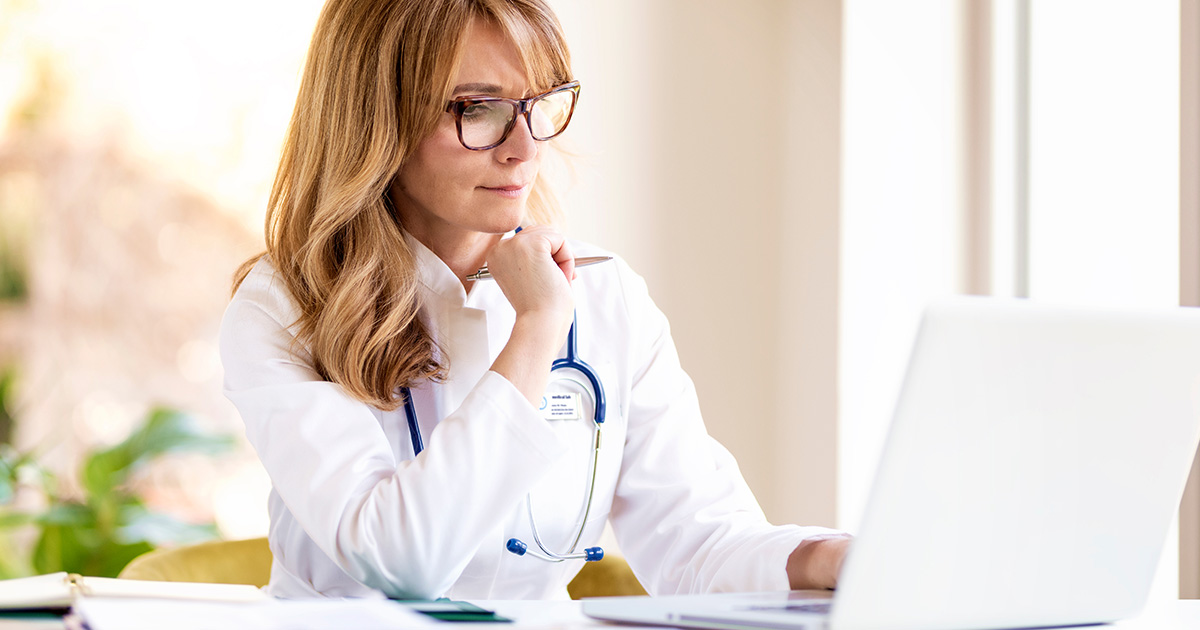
(682, 513)
(407, 528)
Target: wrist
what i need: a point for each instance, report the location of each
(549, 325)
(525, 360)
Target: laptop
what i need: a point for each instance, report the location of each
(1034, 465)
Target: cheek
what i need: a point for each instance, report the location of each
(441, 169)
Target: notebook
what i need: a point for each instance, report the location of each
(1034, 464)
(57, 591)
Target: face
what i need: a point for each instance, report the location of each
(446, 191)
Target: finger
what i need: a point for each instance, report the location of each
(565, 258)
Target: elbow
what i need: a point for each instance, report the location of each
(387, 555)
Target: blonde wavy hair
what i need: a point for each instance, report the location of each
(375, 85)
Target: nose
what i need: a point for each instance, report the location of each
(519, 146)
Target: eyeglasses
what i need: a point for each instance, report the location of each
(484, 122)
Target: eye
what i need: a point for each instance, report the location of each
(473, 110)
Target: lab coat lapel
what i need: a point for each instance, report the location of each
(467, 336)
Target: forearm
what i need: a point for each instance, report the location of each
(525, 361)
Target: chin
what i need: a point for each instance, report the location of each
(502, 220)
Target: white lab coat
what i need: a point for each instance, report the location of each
(354, 514)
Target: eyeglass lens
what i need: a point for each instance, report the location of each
(484, 122)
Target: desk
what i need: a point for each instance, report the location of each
(566, 615)
(1183, 613)
(1177, 615)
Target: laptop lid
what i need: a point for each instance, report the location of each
(1032, 470)
(1034, 464)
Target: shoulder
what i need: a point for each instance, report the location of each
(262, 292)
(613, 283)
(618, 268)
(615, 271)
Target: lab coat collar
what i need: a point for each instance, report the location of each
(436, 274)
(439, 280)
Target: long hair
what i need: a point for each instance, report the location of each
(375, 85)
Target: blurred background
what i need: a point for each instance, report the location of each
(796, 179)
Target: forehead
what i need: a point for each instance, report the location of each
(490, 63)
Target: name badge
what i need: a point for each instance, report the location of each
(560, 406)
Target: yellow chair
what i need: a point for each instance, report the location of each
(609, 577)
(221, 562)
(249, 562)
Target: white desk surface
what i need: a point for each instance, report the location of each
(566, 615)
(1176, 615)
(1183, 613)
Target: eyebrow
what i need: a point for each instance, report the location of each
(477, 88)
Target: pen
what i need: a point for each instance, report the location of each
(484, 274)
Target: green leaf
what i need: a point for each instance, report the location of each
(68, 513)
(11, 463)
(8, 379)
(61, 548)
(164, 529)
(163, 431)
(111, 526)
(12, 564)
(110, 559)
(10, 520)
(81, 550)
(104, 471)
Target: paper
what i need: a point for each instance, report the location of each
(294, 614)
(115, 587)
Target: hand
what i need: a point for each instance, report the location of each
(816, 562)
(534, 269)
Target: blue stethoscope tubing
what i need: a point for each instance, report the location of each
(514, 545)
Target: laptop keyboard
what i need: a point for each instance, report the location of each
(819, 608)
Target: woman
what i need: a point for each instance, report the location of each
(414, 149)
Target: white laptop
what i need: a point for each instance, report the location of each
(1034, 465)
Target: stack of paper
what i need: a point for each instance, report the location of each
(296, 614)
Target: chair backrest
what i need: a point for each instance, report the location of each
(249, 562)
(222, 562)
(610, 577)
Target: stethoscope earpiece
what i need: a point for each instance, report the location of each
(591, 554)
(516, 546)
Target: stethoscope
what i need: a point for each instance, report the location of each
(514, 545)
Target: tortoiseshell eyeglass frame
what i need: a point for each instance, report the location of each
(522, 108)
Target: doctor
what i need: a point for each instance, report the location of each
(412, 157)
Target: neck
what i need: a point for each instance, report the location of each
(463, 251)
(466, 256)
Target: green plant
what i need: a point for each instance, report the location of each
(8, 378)
(13, 284)
(101, 532)
(15, 469)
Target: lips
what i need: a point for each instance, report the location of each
(506, 187)
(508, 191)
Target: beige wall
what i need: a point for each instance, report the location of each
(739, 224)
(1189, 180)
(726, 199)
